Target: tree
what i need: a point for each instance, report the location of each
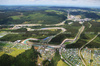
(28, 58)
(6, 60)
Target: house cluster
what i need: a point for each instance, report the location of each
(46, 53)
(78, 18)
(72, 56)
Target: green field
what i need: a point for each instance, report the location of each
(61, 63)
(67, 43)
(15, 17)
(16, 52)
(57, 12)
(5, 49)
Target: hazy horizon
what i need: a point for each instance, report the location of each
(66, 3)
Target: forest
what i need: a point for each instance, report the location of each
(24, 34)
(35, 17)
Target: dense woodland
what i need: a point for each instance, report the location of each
(71, 32)
(24, 34)
(28, 58)
(37, 17)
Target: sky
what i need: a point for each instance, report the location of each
(76, 3)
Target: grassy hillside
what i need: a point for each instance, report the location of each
(61, 63)
(27, 58)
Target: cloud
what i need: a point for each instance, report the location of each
(32, 0)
